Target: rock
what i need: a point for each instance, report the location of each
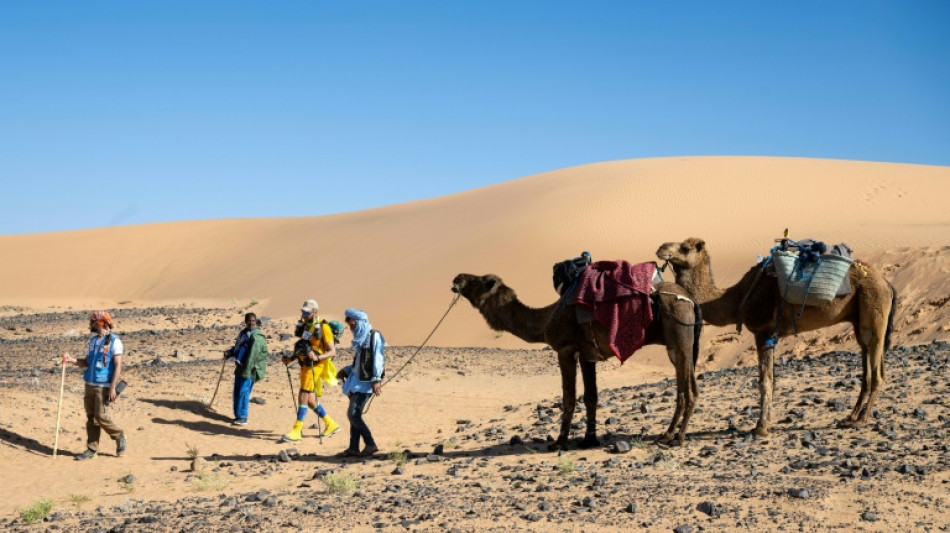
(515, 441)
(622, 446)
(285, 337)
(708, 508)
(198, 464)
(270, 501)
(683, 529)
(798, 493)
(258, 400)
(439, 450)
(398, 471)
(283, 456)
(630, 508)
(868, 516)
(127, 479)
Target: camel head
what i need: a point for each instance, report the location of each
(480, 289)
(684, 255)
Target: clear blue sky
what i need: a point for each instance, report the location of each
(132, 112)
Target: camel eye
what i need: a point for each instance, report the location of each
(684, 249)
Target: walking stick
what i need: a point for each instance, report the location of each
(59, 411)
(220, 377)
(313, 373)
(290, 382)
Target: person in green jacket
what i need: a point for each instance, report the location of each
(250, 359)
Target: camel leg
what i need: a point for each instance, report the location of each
(692, 394)
(863, 338)
(589, 373)
(567, 361)
(681, 386)
(870, 334)
(876, 369)
(766, 383)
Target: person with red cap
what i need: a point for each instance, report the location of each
(103, 364)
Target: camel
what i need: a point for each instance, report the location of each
(678, 328)
(755, 302)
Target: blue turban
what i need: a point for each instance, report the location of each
(362, 328)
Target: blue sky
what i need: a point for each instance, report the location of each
(134, 112)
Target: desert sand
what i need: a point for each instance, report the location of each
(179, 290)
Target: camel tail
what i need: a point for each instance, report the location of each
(697, 331)
(890, 319)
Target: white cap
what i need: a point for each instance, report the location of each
(309, 306)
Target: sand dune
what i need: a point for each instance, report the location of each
(398, 261)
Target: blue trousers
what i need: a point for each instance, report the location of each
(242, 393)
(358, 428)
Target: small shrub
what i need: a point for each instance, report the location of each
(37, 512)
(253, 302)
(342, 482)
(565, 465)
(79, 499)
(206, 481)
(398, 457)
(192, 451)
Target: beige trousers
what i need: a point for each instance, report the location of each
(97, 417)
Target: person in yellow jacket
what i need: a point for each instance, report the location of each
(314, 352)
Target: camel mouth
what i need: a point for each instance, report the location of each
(665, 256)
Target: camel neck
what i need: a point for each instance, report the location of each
(720, 307)
(526, 323)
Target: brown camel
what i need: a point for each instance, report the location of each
(678, 327)
(755, 302)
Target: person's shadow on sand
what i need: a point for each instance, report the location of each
(29, 444)
(211, 428)
(192, 406)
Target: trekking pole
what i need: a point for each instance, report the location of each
(290, 382)
(313, 372)
(59, 411)
(220, 377)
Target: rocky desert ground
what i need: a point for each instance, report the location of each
(464, 434)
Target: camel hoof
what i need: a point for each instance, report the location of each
(761, 431)
(558, 446)
(590, 441)
(666, 438)
(852, 424)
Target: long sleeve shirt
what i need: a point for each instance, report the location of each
(353, 383)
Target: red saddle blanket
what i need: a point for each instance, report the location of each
(618, 293)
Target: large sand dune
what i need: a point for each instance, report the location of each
(398, 261)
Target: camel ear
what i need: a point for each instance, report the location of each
(700, 244)
(490, 284)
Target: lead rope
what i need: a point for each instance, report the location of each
(419, 349)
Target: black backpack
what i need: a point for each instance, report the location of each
(365, 369)
(567, 272)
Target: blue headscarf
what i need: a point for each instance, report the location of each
(363, 327)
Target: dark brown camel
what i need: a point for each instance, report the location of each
(678, 328)
(869, 308)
